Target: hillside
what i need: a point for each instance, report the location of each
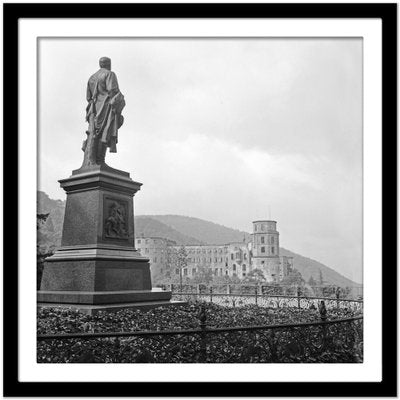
(148, 226)
(183, 230)
(49, 234)
(205, 231)
(309, 267)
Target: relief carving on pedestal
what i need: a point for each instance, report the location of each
(115, 223)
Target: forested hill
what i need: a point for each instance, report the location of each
(204, 231)
(183, 230)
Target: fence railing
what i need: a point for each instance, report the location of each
(348, 293)
(271, 301)
(337, 340)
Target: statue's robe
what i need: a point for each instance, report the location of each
(105, 104)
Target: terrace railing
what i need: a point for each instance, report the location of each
(337, 340)
(345, 293)
(268, 300)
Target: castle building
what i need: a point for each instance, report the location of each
(265, 251)
(157, 250)
(234, 259)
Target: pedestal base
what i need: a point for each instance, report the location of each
(97, 267)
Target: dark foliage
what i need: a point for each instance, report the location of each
(336, 343)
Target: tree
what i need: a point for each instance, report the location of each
(41, 219)
(312, 281)
(255, 276)
(294, 278)
(203, 275)
(321, 278)
(181, 263)
(41, 252)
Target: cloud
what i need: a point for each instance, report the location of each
(223, 129)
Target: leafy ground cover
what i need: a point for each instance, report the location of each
(338, 343)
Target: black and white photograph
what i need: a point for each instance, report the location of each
(201, 194)
(244, 240)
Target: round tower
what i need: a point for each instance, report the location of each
(265, 239)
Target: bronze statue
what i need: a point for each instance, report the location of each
(103, 113)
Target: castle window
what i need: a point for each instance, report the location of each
(194, 271)
(216, 271)
(244, 274)
(272, 240)
(234, 267)
(262, 262)
(215, 259)
(255, 228)
(226, 272)
(273, 250)
(185, 271)
(262, 249)
(244, 267)
(262, 239)
(231, 256)
(263, 227)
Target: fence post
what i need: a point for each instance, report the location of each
(298, 296)
(211, 293)
(337, 296)
(203, 335)
(256, 293)
(322, 313)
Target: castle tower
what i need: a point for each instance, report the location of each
(265, 239)
(265, 249)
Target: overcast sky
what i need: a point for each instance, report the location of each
(223, 129)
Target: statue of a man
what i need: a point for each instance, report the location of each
(103, 113)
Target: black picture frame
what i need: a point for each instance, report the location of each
(13, 12)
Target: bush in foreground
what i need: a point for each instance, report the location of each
(337, 343)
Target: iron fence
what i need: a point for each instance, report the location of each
(344, 293)
(337, 340)
(271, 301)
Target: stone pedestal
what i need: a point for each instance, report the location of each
(97, 266)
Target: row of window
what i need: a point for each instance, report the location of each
(263, 227)
(204, 251)
(216, 272)
(147, 250)
(147, 241)
(264, 240)
(263, 249)
(205, 259)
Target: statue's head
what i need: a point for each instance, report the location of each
(105, 62)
